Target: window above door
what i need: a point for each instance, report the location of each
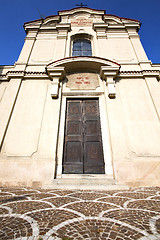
(82, 47)
(81, 44)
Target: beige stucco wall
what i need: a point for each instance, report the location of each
(28, 151)
(117, 49)
(29, 147)
(41, 53)
(135, 133)
(30, 118)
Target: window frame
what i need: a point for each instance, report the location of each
(85, 48)
(79, 37)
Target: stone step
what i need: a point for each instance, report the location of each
(86, 184)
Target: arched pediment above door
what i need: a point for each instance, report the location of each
(82, 63)
(107, 70)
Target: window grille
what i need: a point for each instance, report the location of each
(82, 47)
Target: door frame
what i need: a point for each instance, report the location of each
(104, 132)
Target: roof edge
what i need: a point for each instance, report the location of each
(122, 17)
(61, 11)
(82, 8)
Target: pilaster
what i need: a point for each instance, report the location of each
(100, 29)
(30, 39)
(141, 56)
(8, 102)
(63, 30)
(153, 86)
(62, 36)
(101, 35)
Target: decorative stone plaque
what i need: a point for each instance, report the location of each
(82, 81)
(81, 22)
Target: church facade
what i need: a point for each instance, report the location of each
(82, 102)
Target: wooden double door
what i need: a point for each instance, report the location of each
(83, 152)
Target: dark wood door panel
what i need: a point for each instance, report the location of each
(92, 129)
(93, 152)
(90, 107)
(92, 169)
(74, 110)
(83, 152)
(74, 152)
(74, 128)
(73, 157)
(75, 168)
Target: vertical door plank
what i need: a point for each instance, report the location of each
(93, 152)
(73, 146)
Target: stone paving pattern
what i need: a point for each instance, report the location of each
(75, 214)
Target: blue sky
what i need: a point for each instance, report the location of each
(14, 13)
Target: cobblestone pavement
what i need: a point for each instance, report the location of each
(76, 214)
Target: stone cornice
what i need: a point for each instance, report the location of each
(23, 75)
(60, 27)
(63, 26)
(109, 70)
(104, 27)
(35, 75)
(132, 25)
(3, 77)
(15, 74)
(32, 27)
(56, 72)
(100, 25)
(142, 73)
